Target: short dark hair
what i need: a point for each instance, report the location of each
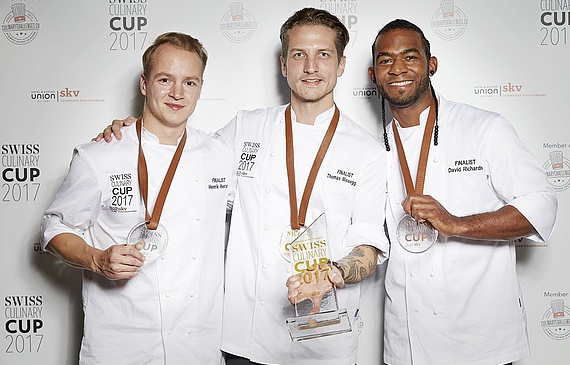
(406, 25)
(178, 40)
(312, 16)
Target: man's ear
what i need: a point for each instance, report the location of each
(142, 84)
(432, 66)
(283, 66)
(372, 74)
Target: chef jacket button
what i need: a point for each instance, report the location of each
(198, 219)
(151, 181)
(288, 270)
(262, 303)
(194, 257)
(431, 274)
(272, 154)
(167, 295)
(189, 331)
(170, 332)
(435, 313)
(414, 311)
(191, 295)
(267, 190)
(163, 257)
(196, 179)
(435, 160)
(266, 228)
(413, 274)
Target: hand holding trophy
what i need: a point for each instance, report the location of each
(311, 289)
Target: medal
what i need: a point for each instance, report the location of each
(287, 236)
(291, 232)
(150, 237)
(414, 236)
(151, 243)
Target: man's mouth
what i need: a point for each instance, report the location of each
(312, 81)
(175, 106)
(400, 83)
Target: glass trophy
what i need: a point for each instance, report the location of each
(316, 308)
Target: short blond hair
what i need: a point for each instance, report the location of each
(178, 40)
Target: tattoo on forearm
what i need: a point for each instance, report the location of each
(359, 264)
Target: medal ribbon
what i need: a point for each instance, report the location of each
(152, 221)
(298, 218)
(424, 152)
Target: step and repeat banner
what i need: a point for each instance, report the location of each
(68, 68)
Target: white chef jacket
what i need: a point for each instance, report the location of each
(460, 302)
(170, 313)
(256, 305)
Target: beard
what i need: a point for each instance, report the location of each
(400, 100)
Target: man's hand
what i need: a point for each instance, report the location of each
(505, 223)
(114, 129)
(118, 262)
(424, 208)
(313, 285)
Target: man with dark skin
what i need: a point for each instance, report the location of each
(456, 300)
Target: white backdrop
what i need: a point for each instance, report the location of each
(67, 68)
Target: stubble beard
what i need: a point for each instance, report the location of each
(402, 101)
(311, 96)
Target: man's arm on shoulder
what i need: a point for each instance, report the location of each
(114, 129)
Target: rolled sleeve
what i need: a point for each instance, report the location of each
(77, 202)
(368, 215)
(520, 181)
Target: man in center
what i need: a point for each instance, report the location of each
(346, 189)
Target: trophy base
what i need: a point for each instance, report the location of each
(318, 325)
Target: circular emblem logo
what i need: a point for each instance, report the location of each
(557, 171)
(20, 26)
(556, 320)
(448, 22)
(238, 25)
